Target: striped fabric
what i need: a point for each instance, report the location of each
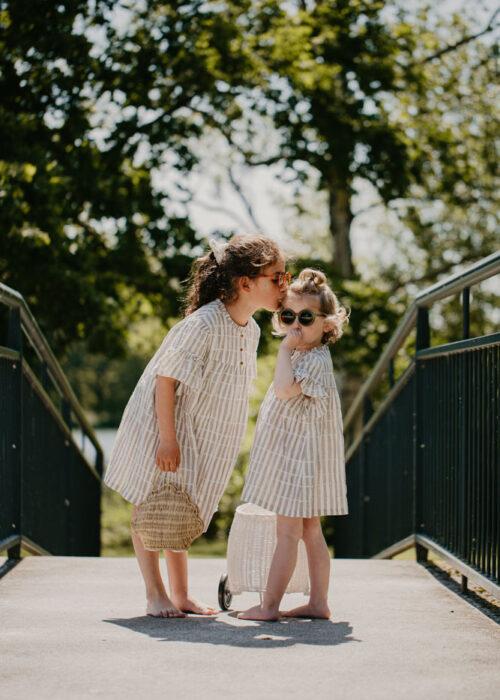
(297, 460)
(214, 361)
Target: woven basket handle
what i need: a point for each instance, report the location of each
(159, 471)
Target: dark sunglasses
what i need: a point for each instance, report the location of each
(306, 317)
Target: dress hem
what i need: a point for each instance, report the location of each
(316, 514)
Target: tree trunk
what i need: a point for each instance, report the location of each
(340, 225)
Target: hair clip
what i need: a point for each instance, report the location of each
(217, 249)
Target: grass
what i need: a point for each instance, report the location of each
(115, 525)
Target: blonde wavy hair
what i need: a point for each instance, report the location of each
(314, 283)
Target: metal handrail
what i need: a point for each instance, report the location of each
(474, 274)
(10, 297)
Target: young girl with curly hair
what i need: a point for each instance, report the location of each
(297, 467)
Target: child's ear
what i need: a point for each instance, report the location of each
(329, 324)
(244, 284)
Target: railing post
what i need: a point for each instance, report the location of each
(14, 444)
(422, 341)
(465, 312)
(66, 414)
(421, 552)
(464, 407)
(14, 333)
(463, 464)
(99, 463)
(423, 330)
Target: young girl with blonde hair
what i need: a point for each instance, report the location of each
(297, 465)
(189, 408)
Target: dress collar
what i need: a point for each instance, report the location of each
(230, 320)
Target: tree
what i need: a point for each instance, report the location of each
(83, 226)
(103, 110)
(451, 215)
(336, 79)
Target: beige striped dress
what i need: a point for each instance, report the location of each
(297, 461)
(214, 361)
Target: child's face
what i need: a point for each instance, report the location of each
(268, 289)
(312, 335)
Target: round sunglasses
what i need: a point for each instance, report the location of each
(306, 317)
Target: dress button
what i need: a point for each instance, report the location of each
(241, 349)
(242, 336)
(241, 363)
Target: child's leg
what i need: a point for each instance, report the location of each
(158, 603)
(288, 532)
(177, 567)
(318, 558)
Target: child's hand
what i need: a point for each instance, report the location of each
(293, 338)
(168, 456)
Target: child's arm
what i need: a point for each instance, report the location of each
(168, 456)
(285, 386)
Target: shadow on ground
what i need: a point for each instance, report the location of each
(490, 609)
(217, 630)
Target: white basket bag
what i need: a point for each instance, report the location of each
(250, 549)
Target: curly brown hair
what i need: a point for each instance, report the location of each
(313, 282)
(244, 255)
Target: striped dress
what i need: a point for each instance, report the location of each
(297, 461)
(214, 361)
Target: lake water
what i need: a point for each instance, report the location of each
(106, 438)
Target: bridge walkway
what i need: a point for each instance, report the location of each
(75, 628)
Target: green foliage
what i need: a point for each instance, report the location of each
(451, 215)
(102, 384)
(83, 229)
(386, 94)
(115, 525)
(326, 70)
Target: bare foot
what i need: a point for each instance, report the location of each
(309, 610)
(160, 605)
(188, 604)
(259, 613)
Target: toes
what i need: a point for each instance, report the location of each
(171, 613)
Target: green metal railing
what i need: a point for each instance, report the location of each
(49, 492)
(424, 468)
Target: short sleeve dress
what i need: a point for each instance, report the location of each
(214, 361)
(297, 463)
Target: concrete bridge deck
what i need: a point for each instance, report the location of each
(75, 628)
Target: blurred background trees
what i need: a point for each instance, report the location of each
(377, 121)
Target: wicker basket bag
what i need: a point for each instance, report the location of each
(168, 518)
